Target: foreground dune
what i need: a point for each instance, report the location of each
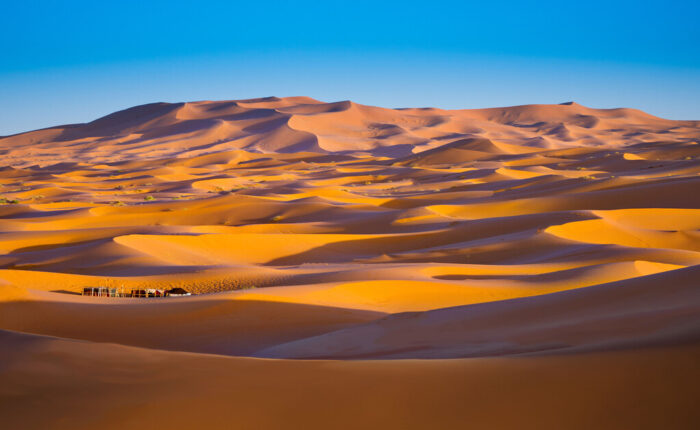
(524, 267)
(88, 385)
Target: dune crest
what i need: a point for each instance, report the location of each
(294, 124)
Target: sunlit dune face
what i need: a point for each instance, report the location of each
(337, 231)
(296, 191)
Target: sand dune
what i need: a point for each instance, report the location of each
(658, 309)
(125, 387)
(522, 267)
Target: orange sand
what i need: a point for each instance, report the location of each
(524, 267)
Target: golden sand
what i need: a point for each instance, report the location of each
(525, 267)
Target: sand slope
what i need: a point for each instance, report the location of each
(648, 311)
(86, 385)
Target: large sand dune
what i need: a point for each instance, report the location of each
(524, 267)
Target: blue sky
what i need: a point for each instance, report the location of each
(73, 61)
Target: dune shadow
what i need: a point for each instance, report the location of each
(206, 324)
(72, 293)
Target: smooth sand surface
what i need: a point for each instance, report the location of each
(355, 266)
(64, 384)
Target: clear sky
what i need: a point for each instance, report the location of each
(73, 61)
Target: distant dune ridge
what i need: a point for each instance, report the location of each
(522, 267)
(302, 124)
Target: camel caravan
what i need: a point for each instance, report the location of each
(139, 293)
